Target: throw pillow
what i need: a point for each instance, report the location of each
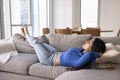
(64, 42)
(108, 56)
(109, 46)
(117, 60)
(117, 47)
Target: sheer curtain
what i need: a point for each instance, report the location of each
(89, 13)
(40, 16)
(34, 13)
(1, 20)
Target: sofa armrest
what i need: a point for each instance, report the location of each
(90, 74)
(6, 45)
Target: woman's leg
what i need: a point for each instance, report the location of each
(43, 50)
(49, 47)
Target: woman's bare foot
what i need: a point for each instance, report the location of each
(25, 30)
(22, 30)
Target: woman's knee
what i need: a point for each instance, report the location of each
(34, 41)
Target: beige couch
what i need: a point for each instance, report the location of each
(25, 65)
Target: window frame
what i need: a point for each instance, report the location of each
(18, 25)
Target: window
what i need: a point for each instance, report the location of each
(89, 13)
(20, 15)
(34, 13)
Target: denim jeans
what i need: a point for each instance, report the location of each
(46, 53)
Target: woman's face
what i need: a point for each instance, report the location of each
(88, 45)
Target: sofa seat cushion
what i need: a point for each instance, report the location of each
(19, 63)
(44, 71)
(12, 76)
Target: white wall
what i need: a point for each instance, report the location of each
(110, 16)
(62, 13)
(76, 13)
(66, 13)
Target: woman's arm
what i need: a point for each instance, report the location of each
(83, 60)
(75, 49)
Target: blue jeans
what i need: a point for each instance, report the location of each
(46, 54)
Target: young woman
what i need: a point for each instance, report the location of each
(74, 57)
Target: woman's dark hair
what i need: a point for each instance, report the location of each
(98, 45)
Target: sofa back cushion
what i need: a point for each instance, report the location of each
(23, 46)
(50, 72)
(114, 40)
(63, 42)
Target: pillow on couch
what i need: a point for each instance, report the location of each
(110, 46)
(64, 42)
(107, 60)
(108, 56)
(117, 47)
(117, 60)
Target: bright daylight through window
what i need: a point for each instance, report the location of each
(89, 13)
(20, 12)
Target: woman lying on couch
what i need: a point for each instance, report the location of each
(74, 57)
